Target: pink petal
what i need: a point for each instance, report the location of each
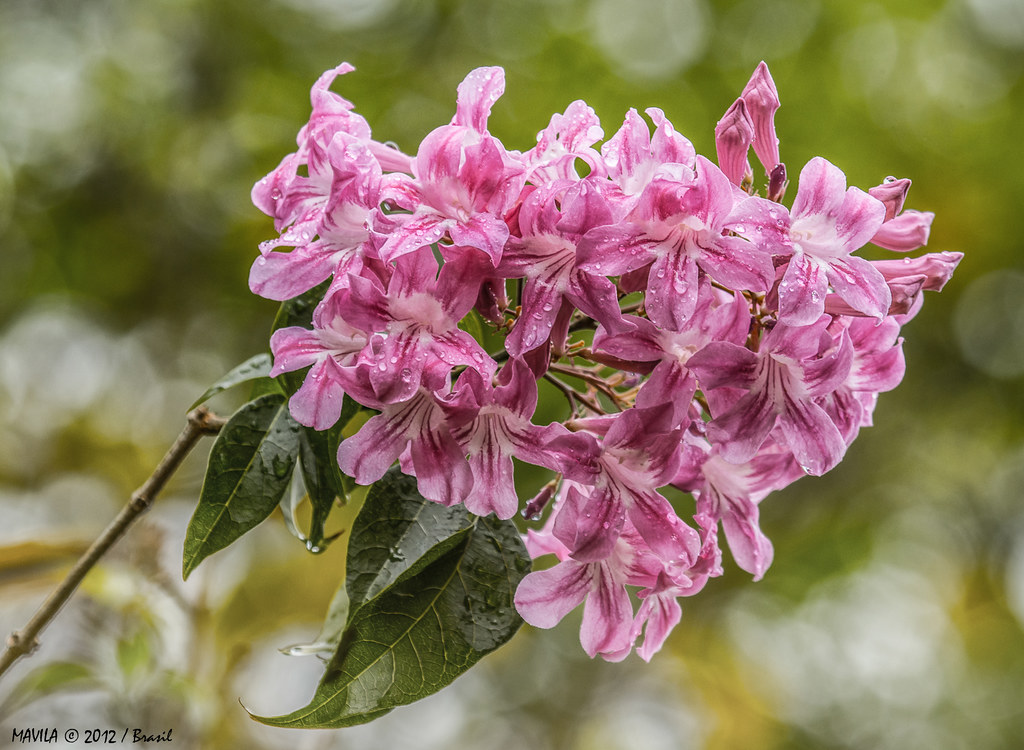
(318, 402)
(607, 616)
(544, 597)
(802, 290)
(476, 95)
(860, 285)
(814, 439)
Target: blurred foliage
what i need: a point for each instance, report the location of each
(130, 136)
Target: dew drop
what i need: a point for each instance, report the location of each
(276, 194)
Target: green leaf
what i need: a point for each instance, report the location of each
(397, 533)
(326, 642)
(473, 325)
(45, 680)
(250, 466)
(324, 482)
(253, 368)
(430, 593)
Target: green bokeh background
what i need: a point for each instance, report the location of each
(130, 136)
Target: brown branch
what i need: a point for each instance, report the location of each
(22, 642)
(594, 380)
(573, 395)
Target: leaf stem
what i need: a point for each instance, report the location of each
(22, 642)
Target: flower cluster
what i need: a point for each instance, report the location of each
(705, 336)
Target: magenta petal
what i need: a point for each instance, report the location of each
(750, 548)
(722, 363)
(906, 232)
(762, 100)
(821, 189)
(282, 276)
(665, 533)
(670, 384)
(589, 526)
(294, 348)
(493, 483)
(367, 455)
(733, 135)
(607, 616)
(672, 290)
(613, 250)
(420, 231)
(802, 291)
(442, 471)
(476, 95)
(814, 439)
(484, 232)
(738, 264)
(661, 613)
(541, 303)
(318, 401)
(740, 431)
(544, 597)
(860, 285)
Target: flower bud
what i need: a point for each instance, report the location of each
(733, 135)
(762, 100)
(905, 232)
(892, 192)
(777, 183)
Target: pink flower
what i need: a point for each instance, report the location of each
(492, 424)
(464, 180)
(568, 137)
(342, 223)
(792, 368)
(633, 158)
(670, 382)
(412, 328)
(681, 226)
(639, 453)
(418, 424)
(827, 224)
(545, 255)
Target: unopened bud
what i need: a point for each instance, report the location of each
(536, 505)
(762, 101)
(777, 183)
(905, 232)
(733, 136)
(892, 192)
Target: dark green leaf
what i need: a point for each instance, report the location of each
(396, 533)
(253, 368)
(424, 631)
(250, 466)
(325, 484)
